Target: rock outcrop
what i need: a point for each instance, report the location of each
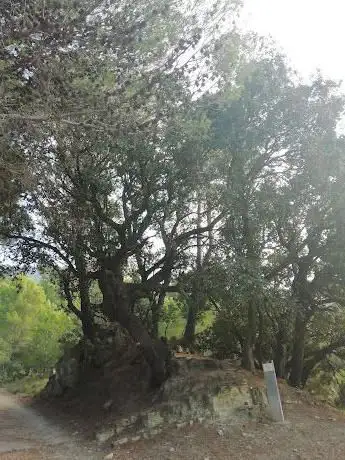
(111, 343)
(202, 390)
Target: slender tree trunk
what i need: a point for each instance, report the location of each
(197, 300)
(252, 262)
(260, 341)
(279, 355)
(88, 325)
(189, 332)
(307, 370)
(116, 306)
(156, 310)
(197, 303)
(297, 360)
(155, 319)
(86, 317)
(250, 338)
(304, 311)
(85, 305)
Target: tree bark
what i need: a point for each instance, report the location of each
(156, 310)
(252, 260)
(297, 360)
(84, 286)
(197, 300)
(279, 355)
(88, 325)
(189, 332)
(84, 314)
(116, 307)
(197, 303)
(307, 370)
(248, 361)
(259, 343)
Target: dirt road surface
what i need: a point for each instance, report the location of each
(26, 435)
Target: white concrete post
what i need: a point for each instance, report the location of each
(273, 395)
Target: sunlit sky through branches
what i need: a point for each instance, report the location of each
(310, 32)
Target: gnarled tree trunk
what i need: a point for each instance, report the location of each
(116, 304)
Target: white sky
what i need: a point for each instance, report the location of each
(310, 32)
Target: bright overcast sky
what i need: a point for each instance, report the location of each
(310, 32)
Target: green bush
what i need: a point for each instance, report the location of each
(32, 328)
(218, 338)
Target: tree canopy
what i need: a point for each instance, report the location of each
(153, 148)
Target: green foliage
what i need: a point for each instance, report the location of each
(31, 326)
(30, 385)
(220, 337)
(173, 318)
(205, 320)
(172, 321)
(327, 381)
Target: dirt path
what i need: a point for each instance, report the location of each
(26, 435)
(312, 432)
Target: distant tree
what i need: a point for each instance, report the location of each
(270, 140)
(31, 327)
